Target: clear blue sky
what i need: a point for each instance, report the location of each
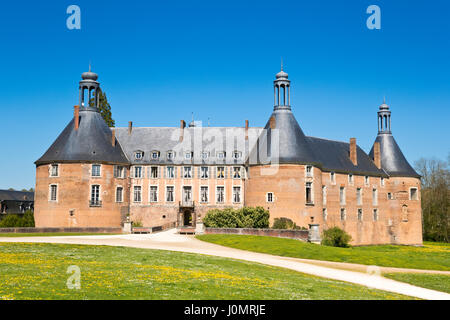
(158, 61)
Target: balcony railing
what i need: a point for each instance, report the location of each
(95, 203)
(187, 203)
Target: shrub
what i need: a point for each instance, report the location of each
(15, 221)
(246, 217)
(336, 237)
(137, 224)
(285, 223)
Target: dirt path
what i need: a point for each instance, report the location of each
(169, 240)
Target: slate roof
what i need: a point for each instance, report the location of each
(90, 143)
(16, 195)
(195, 139)
(392, 159)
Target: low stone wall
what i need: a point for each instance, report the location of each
(55, 230)
(281, 233)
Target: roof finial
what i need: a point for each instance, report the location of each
(89, 65)
(281, 63)
(384, 99)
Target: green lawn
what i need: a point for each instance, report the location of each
(430, 281)
(432, 256)
(38, 271)
(54, 234)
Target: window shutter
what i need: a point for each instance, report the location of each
(164, 172)
(225, 170)
(215, 172)
(159, 172)
(175, 170)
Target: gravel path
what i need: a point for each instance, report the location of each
(169, 240)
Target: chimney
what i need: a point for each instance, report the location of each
(272, 122)
(130, 127)
(182, 126)
(377, 154)
(113, 137)
(353, 155)
(76, 116)
(246, 129)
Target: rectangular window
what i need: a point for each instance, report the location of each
(382, 181)
(170, 172)
(137, 194)
(342, 195)
(269, 197)
(375, 214)
(220, 172)
(204, 172)
(220, 196)
(350, 178)
(96, 170)
(309, 193)
(389, 196)
(153, 172)
(187, 174)
(375, 197)
(170, 194)
(333, 177)
(343, 215)
(324, 214)
(360, 214)
(366, 180)
(358, 196)
(53, 192)
(54, 170)
(119, 172)
(236, 194)
(153, 194)
(324, 194)
(95, 195)
(204, 194)
(309, 171)
(138, 172)
(119, 194)
(413, 195)
(236, 172)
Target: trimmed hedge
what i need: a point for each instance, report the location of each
(246, 217)
(14, 221)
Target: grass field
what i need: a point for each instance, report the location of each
(38, 271)
(54, 234)
(430, 281)
(432, 256)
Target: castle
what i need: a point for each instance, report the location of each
(96, 176)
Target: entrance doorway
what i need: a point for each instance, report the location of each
(187, 218)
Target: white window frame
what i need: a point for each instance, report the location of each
(134, 194)
(237, 154)
(366, 180)
(267, 197)
(375, 196)
(324, 194)
(351, 179)
(333, 177)
(173, 193)
(207, 172)
(117, 200)
(170, 155)
(50, 192)
(342, 200)
(309, 171)
(150, 193)
(153, 153)
(382, 181)
(217, 194)
(240, 194)
(168, 176)
(240, 172)
(359, 197)
(207, 194)
(139, 155)
(417, 193)
(157, 172)
(99, 192)
(217, 172)
(324, 214)
(57, 166)
(358, 217)
(99, 170)
(311, 193)
(135, 171)
(375, 213)
(184, 172)
(345, 214)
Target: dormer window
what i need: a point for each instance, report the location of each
(237, 154)
(170, 155)
(188, 155)
(221, 154)
(138, 155)
(205, 155)
(155, 155)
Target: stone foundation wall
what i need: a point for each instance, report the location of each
(280, 233)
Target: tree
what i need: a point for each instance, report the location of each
(104, 108)
(435, 198)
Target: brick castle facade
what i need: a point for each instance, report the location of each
(96, 176)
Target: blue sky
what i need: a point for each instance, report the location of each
(158, 61)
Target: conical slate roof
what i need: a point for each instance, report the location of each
(90, 143)
(288, 140)
(392, 159)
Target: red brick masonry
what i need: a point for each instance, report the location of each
(281, 233)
